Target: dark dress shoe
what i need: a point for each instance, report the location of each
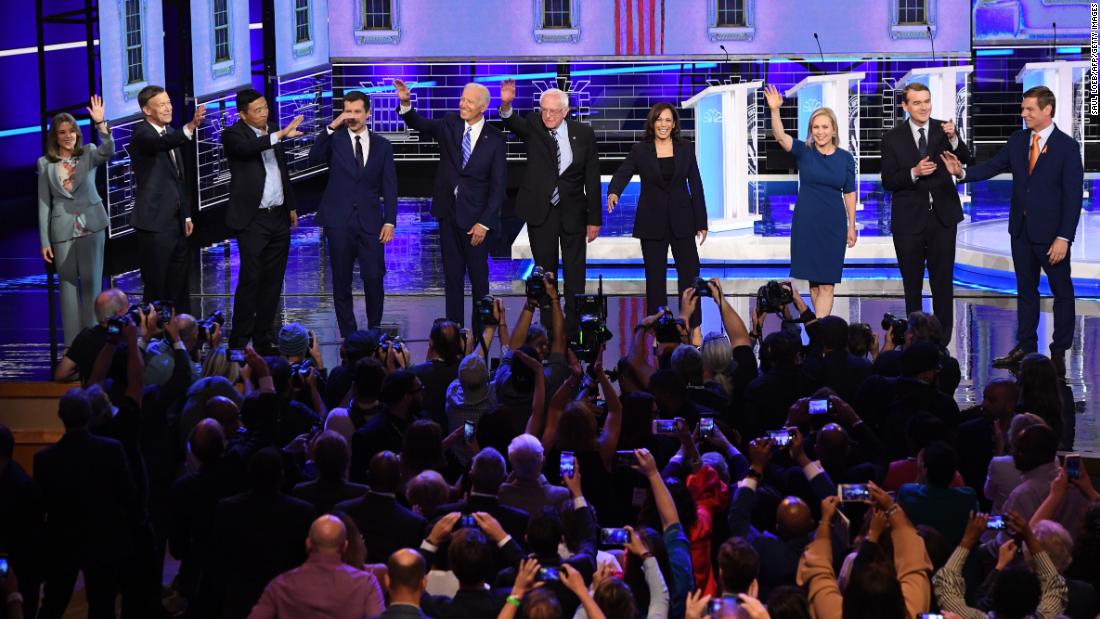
(1012, 359)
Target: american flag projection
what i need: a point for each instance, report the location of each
(639, 27)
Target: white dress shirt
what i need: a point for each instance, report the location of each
(563, 139)
(914, 128)
(187, 133)
(273, 180)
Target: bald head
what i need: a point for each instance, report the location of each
(110, 303)
(225, 412)
(793, 518)
(187, 325)
(207, 441)
(405, 572)
(327, 534)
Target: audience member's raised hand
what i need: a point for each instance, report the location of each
(527, 360)
(256, 363)
(172, 328)
(490, 526)
(1059, 484)
(879, 524)
(634, 543)
(797, 446)
(880, 497)
(527, 577)
(683, 430)
(1084, 484)
(442, 528)
(297, 445)
(760, 453)
(1006, 554)
(715, 290)
(646, 464)
(688, 301)
(844, 411)
(572, 580)
(696, 606)
(575, 369)
(829, 505)
(975, 528)
(551, 286)
(752, 607)
(573, 482)
(798, 415)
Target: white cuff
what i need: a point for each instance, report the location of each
(954, 142)
(812, 470)
(483, 226)
(274, 139)
(179, 346)
(912, 175)
(329, 130)
(401, 109)
(390, 225)
(502, 543)
(579, 503)
(749, 482)
(508, 114)
(430, 547)
(266, 384)
(187, 133)
(1062, 238)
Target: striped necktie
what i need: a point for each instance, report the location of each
(554, 196)
(467, 147)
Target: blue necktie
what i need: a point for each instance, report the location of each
(554, 196)
(922, 144)
(467, 147)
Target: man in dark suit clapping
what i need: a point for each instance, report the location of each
(358, 209)
(560, 194)
(926, 210)
(468, 193)
(162, 200)
(261, 213)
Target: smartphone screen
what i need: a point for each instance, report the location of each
(236, 355)
(468, 431)
(664, 426)
(567, 464)
(548, 574)
(781, 438)
(1073, 466)
(614, 537)
(466, 522)
(625, 459)
(3, 567)
(706, 427)
(996, 522)
(819, 407)
(853, 493)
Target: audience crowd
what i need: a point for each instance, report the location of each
(799, 472)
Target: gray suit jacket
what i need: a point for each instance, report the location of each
(57, 208)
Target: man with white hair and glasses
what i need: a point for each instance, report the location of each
(559, 197)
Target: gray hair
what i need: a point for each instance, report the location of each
(1056, 541)
(687, 363)
(525, 455)
(482, 90)
(562, 96)
(487, 471)
(1022, 422)
(110, 303)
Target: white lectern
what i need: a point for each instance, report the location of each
(725, 146)
(948, 90)
(1063, 77)
(834, 92)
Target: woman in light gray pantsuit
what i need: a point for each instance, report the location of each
(71, 217)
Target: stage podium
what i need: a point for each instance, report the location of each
(833, 91)
(725, 147)
(947, 87)
(1063, 77)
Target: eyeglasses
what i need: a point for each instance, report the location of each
(552, 112)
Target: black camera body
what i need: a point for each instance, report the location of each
(206, 325)
(300, 371)
(535, 286)
(485, 315)
(116, 323)
(899, 325)
(164, 310)
(702, 288)
(592, 329)
(667, 327)
(387, 342)
(772, 296)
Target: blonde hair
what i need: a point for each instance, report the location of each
(53, 148)
(822, 111)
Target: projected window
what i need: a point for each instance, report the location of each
(135, 69)
(556, 21)
(221, 31)
(911, 19)
(731, 20)
(730, 13)
(301, 22)
(378, 22)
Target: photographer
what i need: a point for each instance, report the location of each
(440, 368)
(81, 354)
(921, 327)
(834, 367)
(357, 345)
(549, 344)
(300, 348)
(160, 360)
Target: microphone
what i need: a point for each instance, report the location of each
(819, 52)
(929, 28)
(723, 48)
(1054, 50)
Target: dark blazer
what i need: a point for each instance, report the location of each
(664, 208)
(838, 370)
(324, 494)
(386, 525)
(244, 153)
(1051, 194)
(369, 193)
(58, 208)
(88, 497)
(402, 611)
(514, 521)
(909, 211)
(481, 184)
(466, 604)
(578, 186)
(256, 537)
(162, 198)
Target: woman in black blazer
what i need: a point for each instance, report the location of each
(671, 208)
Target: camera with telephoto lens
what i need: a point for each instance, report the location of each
(592, 329)
(667, 327)
(164, 310)
(116, 323)
(772, 296)
(485, 315)
(899, 326)
(206, 325)
(387, 342)
(135, 312)
(702, 288)
(299, 372)
(535, 286)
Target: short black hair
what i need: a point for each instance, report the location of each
(396, 386)
(147, 93)
(368, 377)
(7, 442)
(834, 332)
(1016, 593)
(939, 463)
(738, 565)
(331, 455)
(544, 532)
(355, 95)
(246, 97)
(385, 471)
(265, 471)
(74, 409)
(781, 349)
(470, 557)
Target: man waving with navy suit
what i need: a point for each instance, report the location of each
(468, 193)
(1047, 179)
(358, 209)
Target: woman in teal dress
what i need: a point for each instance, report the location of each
(824, 221)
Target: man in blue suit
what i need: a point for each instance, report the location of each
(358, 210)
(1047, 177)
(468, 193)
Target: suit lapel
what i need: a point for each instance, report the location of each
(55, 180)
(651, 148)
(910, 141)
(1043, 153)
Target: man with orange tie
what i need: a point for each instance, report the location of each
(1047, 179)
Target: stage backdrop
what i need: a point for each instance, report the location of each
(131, 52)
(524, 28)
(1031, 22)
(301, 35)
(220, 54)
